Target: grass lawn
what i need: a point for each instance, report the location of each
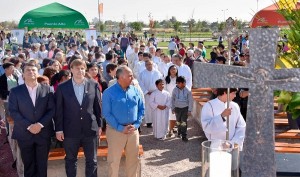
(181, 35)
(208, 50)
(207, 44)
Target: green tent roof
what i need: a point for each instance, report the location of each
(53, 15)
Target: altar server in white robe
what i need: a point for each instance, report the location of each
(133, 57)
(163, 66)
(183, 70)
(214, 116)
(140, 66)
(147, 80)
(160, 102)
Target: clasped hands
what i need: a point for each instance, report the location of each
(129, 129)
(35, 128)
(161, 107)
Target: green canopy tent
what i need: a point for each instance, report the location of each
(54, 15)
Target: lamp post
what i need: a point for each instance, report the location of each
(99, 16)
(224, 11)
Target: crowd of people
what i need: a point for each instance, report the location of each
(119, 82)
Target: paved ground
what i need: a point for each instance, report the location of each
(6, 158)
(171, 157)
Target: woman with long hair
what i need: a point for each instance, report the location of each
(170, 85)
(93, 70)
(182, 49)
(60, 77)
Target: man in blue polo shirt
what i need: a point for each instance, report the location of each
(123, 109)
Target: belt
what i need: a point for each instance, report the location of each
(126, 124)
(121, 124)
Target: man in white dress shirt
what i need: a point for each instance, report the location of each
(147, 80)
(214, 116)
(92, 42)
(183, 70)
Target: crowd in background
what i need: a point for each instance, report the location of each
(103, 54)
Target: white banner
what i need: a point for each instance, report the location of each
(89, 33)
(18, 35)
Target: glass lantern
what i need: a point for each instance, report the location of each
(220, 158)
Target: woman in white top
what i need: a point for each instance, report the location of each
(43, 53)
(169, 86)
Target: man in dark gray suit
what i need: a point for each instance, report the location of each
(32, 107)
(78, 119)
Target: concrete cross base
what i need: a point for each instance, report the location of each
(57, 168)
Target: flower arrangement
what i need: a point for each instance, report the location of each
(290, 58)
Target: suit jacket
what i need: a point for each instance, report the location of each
(74, 119)
(3, 86)
(24, 113)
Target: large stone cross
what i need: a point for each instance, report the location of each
(262, 79)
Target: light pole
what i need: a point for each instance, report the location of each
(224, 11)
(99, 17)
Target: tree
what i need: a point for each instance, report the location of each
(173, 19)
(156, 24)
(122, 26)
(9, 24)
(191, 24)
(177, 26)
(204, 24)
(214, 26)
(102, 26)
(221, 26)
(166, 24)
(198, 25)
(137, 26)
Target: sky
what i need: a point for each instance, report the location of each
(139, 10)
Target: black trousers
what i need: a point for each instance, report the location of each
(181, 120)
(89, 145)
(34, 153)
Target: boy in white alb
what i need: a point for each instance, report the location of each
(214, 116)
(160, 102)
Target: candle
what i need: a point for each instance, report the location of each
(220, 164)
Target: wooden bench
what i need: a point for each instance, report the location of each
(201, 90)
(282, 147)
(59, 153)
(195, 94)
(201, 99)
(281, 122)
(280, 115)
(103, 136)
(276, 106)
(290, 134)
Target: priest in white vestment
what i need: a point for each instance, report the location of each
(214, 116)
(140, 66)
(133, 57)
(160, 102)
(147, 80)
(183, 70)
